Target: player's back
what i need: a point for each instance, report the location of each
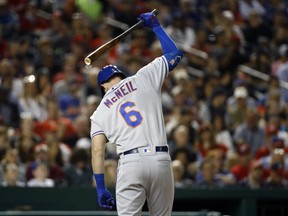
(130, 113)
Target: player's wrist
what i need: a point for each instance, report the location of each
(100, 182)
(157, 28)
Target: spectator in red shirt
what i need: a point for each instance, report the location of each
(31, 21)
(255, 177)
(241, 169)
(265, 151)
(207, 141)
(64, 126)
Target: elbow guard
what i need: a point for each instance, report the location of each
(173, 58)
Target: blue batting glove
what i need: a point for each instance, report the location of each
(150, 20)
(105, 199)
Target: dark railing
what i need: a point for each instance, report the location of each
(233, 201)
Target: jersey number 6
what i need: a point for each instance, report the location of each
(133, 118)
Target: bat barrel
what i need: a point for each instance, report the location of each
(87, 61)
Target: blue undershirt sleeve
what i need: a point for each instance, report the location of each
(170, 51)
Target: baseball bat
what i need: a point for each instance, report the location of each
(107, 46)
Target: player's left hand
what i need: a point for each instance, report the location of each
(150, 20)
(105, 200)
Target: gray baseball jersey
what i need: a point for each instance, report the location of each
(130, 113)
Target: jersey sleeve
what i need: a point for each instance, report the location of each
(154, 73)
(95, 128)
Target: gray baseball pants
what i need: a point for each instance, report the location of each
(144, 176)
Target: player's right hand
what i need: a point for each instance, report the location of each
(150, 20)
(105, 199)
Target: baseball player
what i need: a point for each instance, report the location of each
(130, 115)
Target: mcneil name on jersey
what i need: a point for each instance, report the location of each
(119, 92)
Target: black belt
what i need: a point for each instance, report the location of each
(158, 149)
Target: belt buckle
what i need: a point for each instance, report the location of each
(147, 150)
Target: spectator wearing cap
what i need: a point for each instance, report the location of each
(250, 132)
(274, 143)
(41, 155)
(182, 78)
(83, 143)
(11, 176)
(255, 178)
(278, 152)
(222, 173)
(233, 6)
(241, 169)
(231, 28)
(237, 106)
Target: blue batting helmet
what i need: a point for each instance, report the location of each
(108, 72)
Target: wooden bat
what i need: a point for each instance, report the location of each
(107, 46)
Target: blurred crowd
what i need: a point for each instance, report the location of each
(225, 106)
